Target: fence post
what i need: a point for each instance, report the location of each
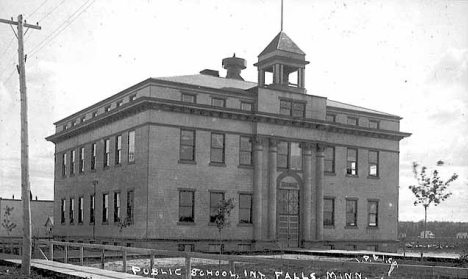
(151, 261)
(124, 261)
(51, 252)
(188, 268)
(65, 256)
(81, 254)
(102, 258)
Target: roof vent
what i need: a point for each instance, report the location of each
(234, 65)
(208, 72)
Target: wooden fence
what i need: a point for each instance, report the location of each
(45, 248)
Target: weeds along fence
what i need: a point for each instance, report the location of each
(179, 265)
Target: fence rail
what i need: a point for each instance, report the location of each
(45, 248)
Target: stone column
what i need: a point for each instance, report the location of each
(301, 78)
(261, 78)
(307, 201)
(257, 187)
(272, 174)
(319, 163)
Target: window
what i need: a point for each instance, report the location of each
(245, 151)
(92, 207)
(289, 155)
(298, 110)
(215, 248)
(331, 118)
(374, 124)
(296, 156)
(93, 156)
(65, 127)
(186, 206)
(64, 164)
(329, 212)
(132, 97)
(73, 123)
(131, 146)
(373, 213)
(80, 210)
(119, 103)
(215, 198)
(62, 213)
(350, 247)
(245, 208)
(246, 106)
(83, 119)
(373, 163)
(117, 207)
(351, 213)
(352, 121)
(72, 162)
(294, 109)
(283, 154)
(189, 98)
(372, 248)
(118, 150)
(130, 203)
(285, 107)
(106, 152)
(72, 210)
(330, 160)
(217, 102)
(105, 208)
(107, 108)
(217, 148)
(81, 165)
(187, 145)
(351, 164)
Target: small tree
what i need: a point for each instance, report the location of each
(223, 211)
(7, 223)
(430, 189)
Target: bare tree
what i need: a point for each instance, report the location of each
(223, 211)
(430, 189)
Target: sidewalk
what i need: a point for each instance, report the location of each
(69, 269)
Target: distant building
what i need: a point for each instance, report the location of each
(304, 171)
(11, 217)
(429, 234)
(462, 235)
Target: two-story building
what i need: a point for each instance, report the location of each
(303, 171)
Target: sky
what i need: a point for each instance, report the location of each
(408, 58)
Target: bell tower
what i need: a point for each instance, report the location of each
(285, 62)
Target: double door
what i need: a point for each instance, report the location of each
(288, 218)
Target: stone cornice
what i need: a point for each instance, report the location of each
(147, 103)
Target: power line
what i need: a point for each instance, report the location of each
(37, 9)
(9, 44)
(56, 7)
(70, 20)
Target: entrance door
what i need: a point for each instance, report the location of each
(288, 218)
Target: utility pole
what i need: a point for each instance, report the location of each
(25, 187)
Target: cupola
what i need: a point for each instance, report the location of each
(285, 61)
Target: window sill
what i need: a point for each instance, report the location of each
(186, 224)
(80, 223)
(351, 227)
(245, 166)
(373, 177)
(248, 225)
(106, 167)
(131, 163)
(329, 173)
(372, 227)
(118, 165)
(187, 162)
(213, 164)
(352, 175)
(91, 223)
(72, 223)
(93, 170)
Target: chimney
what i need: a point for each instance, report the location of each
(208, 72)
(234, 66)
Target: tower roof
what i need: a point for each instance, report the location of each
(284, 43)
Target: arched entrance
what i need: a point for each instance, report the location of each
(288, 212)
